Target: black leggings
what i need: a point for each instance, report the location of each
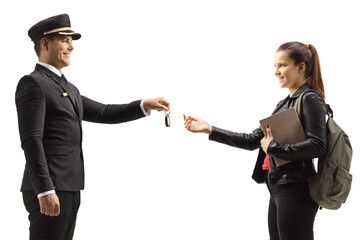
(291, 212)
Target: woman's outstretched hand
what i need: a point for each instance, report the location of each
(197, 125)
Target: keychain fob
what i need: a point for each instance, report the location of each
(167, 119)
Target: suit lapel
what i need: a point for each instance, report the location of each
(67, 91)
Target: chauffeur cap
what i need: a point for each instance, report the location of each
(59, 24)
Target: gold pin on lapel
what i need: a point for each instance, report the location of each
(65, 94)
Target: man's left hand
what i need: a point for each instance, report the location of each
(160, 104)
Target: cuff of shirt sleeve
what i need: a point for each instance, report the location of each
(146, 113)
(45, 193)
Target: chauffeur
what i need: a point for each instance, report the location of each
(50, 110)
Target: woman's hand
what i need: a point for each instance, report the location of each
(267, 139)
(197, 125)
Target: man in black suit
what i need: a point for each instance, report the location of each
(50, 111)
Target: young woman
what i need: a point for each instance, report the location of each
(291, 210)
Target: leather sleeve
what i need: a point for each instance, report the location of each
(31, 107)
(314, 123)
(111, 113)
(240, 140)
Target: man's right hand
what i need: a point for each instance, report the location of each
(50, 205)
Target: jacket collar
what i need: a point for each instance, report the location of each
(300, 90)
(49, 73)
(45, 70)
(51, 68)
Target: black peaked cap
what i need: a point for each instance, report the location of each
(59, 24)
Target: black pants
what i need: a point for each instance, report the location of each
(52, 228)
(291, 212)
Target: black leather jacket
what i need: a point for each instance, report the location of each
(301, 153)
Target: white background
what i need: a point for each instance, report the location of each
(210, 59)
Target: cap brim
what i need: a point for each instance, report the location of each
(74, 35)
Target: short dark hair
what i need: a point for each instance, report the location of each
(37, 46)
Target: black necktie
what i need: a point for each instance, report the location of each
(63, 77)
(70, 92)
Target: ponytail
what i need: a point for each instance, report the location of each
(307, 54)
(315, 79)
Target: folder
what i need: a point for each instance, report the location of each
(286, 128)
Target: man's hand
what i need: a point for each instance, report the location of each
(160, 104)
(50, 205)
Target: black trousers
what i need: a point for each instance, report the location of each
(60, 227)
(291, 212)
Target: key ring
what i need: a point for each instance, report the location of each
(167, 119)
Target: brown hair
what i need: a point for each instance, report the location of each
(37, 46)
(307, 54)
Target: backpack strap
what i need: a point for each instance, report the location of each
(298, 104)
(329, 111)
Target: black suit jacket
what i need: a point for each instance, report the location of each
(50, 110)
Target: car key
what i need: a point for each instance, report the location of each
(167, 119)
